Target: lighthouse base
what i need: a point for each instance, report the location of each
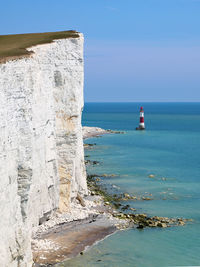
(140, 128)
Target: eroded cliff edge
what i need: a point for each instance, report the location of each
(41, 149)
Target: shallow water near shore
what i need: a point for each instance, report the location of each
(168, 149)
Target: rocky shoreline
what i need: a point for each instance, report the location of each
(91, 219)
(67, 235)
(125, 212)
(89, 132)
(72, 234)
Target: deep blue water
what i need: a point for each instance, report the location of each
(169, 149)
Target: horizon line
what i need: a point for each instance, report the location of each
(141, 102)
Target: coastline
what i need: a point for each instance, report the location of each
(66, 240)
(89, 132)
(90, 220)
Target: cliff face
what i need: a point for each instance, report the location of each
(41, 151)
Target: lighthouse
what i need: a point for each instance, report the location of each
(141, 125)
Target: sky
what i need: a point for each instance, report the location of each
(135, 50)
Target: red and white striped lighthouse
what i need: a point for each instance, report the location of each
(141, 125)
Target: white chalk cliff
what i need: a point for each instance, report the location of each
(41, 149)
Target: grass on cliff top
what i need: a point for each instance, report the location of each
(14, 46)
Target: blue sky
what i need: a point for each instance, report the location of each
(135, 50)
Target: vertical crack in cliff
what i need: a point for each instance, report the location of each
(58, 78)
(24, 183)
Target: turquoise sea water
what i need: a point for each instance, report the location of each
(169, 149)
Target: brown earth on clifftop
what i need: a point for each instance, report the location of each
(14, 46)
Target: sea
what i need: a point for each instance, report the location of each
(169, 149)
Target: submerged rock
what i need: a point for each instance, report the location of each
(115, 132)
(139, 221)
(151, 175)
(89, 146)
(160, 224)
(140, 226)
(92, 162)
(108, 175)
(125, 207)
(147, 198)
(126, 197)
(133, 209)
